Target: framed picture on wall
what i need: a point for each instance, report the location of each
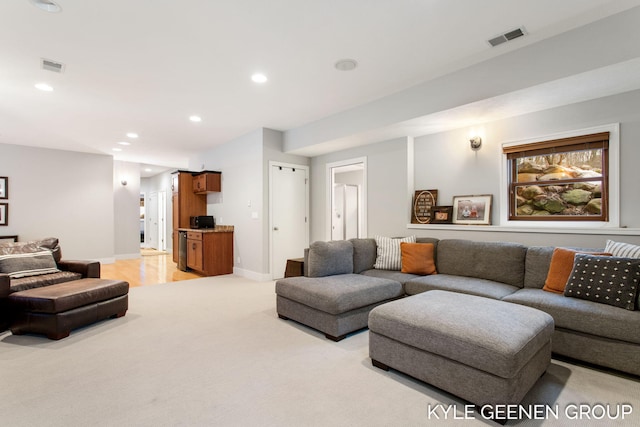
(423, 201)
(441, 214)
(4, 213)
(472, 210)
(4, 187)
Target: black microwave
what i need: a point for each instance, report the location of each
(202, 221)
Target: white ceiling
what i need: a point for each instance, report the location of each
(145, 66)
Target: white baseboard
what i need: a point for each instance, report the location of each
(110, 260)
(259, 277)
(128, 256)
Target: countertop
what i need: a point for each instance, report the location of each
(217, 229)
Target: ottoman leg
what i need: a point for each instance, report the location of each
(282, 317)
(58, 335)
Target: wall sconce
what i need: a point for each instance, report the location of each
(475, 142)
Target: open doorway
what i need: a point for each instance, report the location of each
(347, 207)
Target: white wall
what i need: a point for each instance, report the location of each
(386, 188)
(63, 194)
(445, 162)
(244, 199)
(157, 183)
(126, 208)
(240, 162)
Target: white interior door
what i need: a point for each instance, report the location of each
(351, 212)
(337, 220)
(151, 212)
(162, 219)
(289, 206)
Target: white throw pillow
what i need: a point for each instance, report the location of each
(621, 249)
(389, 256)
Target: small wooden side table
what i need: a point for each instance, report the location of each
(295, 267)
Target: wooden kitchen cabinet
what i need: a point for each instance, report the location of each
(210, 253)
(185, 204)
(207, 182)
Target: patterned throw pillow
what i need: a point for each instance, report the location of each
(389, 254)
(603, 279)
(29, 264)
(624, 250)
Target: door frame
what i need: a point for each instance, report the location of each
(273, 164)
(329, 193)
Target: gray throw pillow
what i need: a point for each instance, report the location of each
(605, 279)
(330, 258)
(29, 264)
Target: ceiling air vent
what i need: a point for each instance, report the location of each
(510, 35)
(56, 67)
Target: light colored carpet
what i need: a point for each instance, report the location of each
(212, 352)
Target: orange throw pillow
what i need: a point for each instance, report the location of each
(560, 268)
(417, 258)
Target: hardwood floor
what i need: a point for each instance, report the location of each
(146, 270)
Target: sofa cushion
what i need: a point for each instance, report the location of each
(28, 264)
(31, 282)
(340, 293)
(364, 254)
(536, 266)
(605, 279)
(418, 258)
(330, 258)
(465, 285)
(496, 261)
(582, 316)
(560, 269)
(621, 249)
(49, 243)
(388, 252)
(391, 275)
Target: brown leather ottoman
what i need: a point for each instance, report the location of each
(57, 309)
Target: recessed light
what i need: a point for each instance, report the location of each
(148, 170)
(44, 87)
(195, 119)
(124, 143)
(116, 149)
(132, 135)
(259, 78)
(346, 64)
(46, 5)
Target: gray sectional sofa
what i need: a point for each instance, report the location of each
(341, 286)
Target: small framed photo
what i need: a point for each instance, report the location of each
(441, 214)
(4, 213)
(4, 187)
(472, 210)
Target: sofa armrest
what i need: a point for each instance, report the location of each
(86, 268)
(5, 282)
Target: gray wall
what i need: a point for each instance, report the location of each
(157, 183)
(64, 194)
(126, 208)
(245, 194)
(386, 188)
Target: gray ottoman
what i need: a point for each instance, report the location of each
(485, 351)
(335, 305)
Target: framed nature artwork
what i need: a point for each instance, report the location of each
(4, 187)
(4, 213)
(441, 214)
(472, 210)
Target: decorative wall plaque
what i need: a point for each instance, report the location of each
(423, 201)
